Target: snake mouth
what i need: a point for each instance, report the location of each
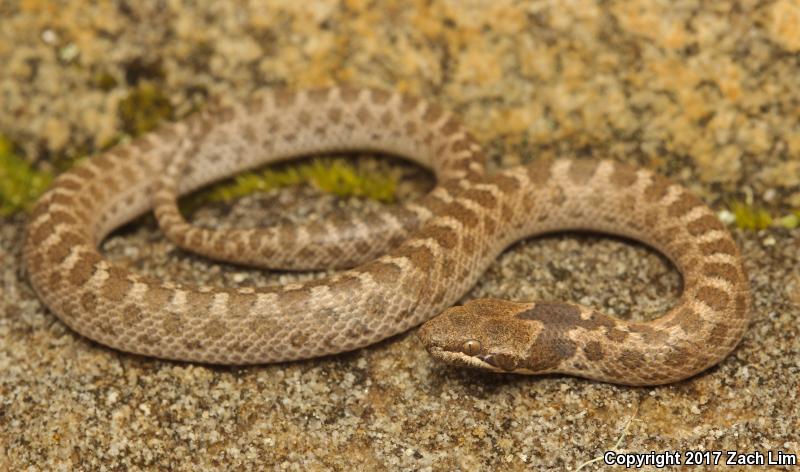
(461, 359)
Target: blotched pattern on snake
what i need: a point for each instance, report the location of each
(434, 249)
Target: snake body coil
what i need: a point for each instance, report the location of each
(461, 227)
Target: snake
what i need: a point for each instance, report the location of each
(428, 253)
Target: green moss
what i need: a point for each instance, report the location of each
(336, 176)
(143, 109)
(790, 221)
(20, 184)
(750, 217)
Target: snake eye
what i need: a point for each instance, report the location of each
(471, 347)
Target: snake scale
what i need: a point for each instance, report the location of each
(433, 249)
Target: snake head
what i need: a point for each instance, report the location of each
(483, 334)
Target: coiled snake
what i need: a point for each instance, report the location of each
(434, 249)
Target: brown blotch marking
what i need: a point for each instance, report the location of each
(298, 339)
(308, 253)
(432, 114)
(718, 335)
(688, 320)
(564, 316)
(304, 118)
(89, 302)
(703, 225)
(240, 244)
(289, 137)
(582, 170)
(42, 232)
(723, 246)
(444, 236)
(721, 270)
(346, 284)
(284, 98)
(193, 344)
(379, 96)
(657, 189)
(679, 357)
(40, 209)
(552, 313)
(55, 279)
(59, 251)
(504, 362)
(363, 115)
(631, 359)
(294, 297)
(468, 243)
(240, 305)
(627, 205)
(35, 263)
(713, 297)
(386, 119)
(61, 199)
(593, 351)
(219, 245)
(111, 184)
(373, 220)
(84, 269)
(648, 333)
(84, 172)
(215, 329)
(464, 215)
(117, 285)
(349, 94)
(337, 253)
(483, 198)
(742, 305)
(460, 145)
(408, 103)
(548, 350)
(420, 256)
(104, 162)
(196, 239)
(132, 315)
(286, 235)
(362, 247)
(452, 126)
(173, 323)
(411, 128)
(505, 183)
(616, 335)
(540, 172)
(96, 192)
(319, 95)
(157, 297)
(683, 204)
(489, 225)
(335, 115)
(68, 184)
(623, 176)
